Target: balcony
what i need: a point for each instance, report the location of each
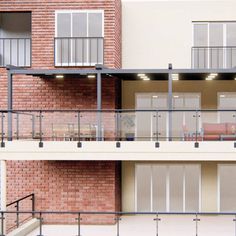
(119, 125)
(78, 51)
(15, 51)
(15, 39)
(213, 57)
(125, 223)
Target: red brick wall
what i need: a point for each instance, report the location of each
(66, 186)
(43, 26)
(38, 93)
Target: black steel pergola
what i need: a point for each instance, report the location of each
(122, 74)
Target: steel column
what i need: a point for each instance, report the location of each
(99, 106)
(9, 104)
(170, 105)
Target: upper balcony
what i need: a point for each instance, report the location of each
(15, 39)
(163, 111)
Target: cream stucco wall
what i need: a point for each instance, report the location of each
(208, 186)
(155, 33)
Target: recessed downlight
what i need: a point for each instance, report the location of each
(141, 75)
(59, 76)
(211, 76)
(91, 76)
(175, 76)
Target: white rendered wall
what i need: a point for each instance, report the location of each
(155, 33)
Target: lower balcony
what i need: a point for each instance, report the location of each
(128, 224)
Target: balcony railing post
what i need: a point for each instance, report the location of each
(40, 224)
(157, 128)
(40, 129)
(33, 205)
(117, 133)
(2, 130)
(17, 214)
(79, 224)
(2, 224)
(79, 144)
(157, 219)
(196, 224)
(17, 125)
(118, 219)
(234, 225)
(33, 126)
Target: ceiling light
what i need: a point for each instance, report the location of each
(175, 76)
(154, 96)
(222, 96)
(176, 96)
(91, 76)
(59, 76)
(141, 75)
(214, 74)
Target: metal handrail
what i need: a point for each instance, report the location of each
(32, 195)
(119, 213)
(16, 204)
(117, 110)
(117, 217)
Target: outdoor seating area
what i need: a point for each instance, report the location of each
(212, 132)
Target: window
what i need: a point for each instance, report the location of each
(227, 101)
(149, 124)
(214, 44)
(79, 38)
(227, 188)
(169, 188)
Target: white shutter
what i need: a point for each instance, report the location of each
(63, 46)
(200, 55)
(80, 43)
(95, 29)
(231, 43)
(227, 183)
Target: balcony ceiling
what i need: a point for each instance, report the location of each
(130, 74)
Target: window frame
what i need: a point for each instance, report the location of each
(167, 179)
(208, 23)
(87, 11)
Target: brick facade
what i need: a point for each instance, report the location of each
(66, 186)
(92, 186)
(52, 94)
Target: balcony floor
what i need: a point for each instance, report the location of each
(144, 225)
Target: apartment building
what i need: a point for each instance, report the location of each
(118, 106)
